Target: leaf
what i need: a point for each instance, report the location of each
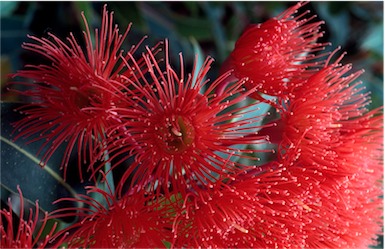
(199, 59)
(20, 167)
(374, 41)
(7, 8)
(338, 23)
(89, 13)
(6, 69)
(13, 34)
(200, 29)
(214, 15)
(127, 12)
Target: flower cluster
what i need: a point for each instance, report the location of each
(26, 234)
(194, 162)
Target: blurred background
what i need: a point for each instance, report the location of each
(194, 28)
(203, 28)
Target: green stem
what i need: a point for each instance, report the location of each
(107, 169)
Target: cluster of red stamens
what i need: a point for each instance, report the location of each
(191, 148)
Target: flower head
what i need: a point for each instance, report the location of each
(326, 125)
(190, 155)
(207, 216)
(331, 147)
(278, 54)
(27, 234)
(72, 95)
(134, 221)
(346, 214)
(254, 211)
(178, 131)
(338, 212)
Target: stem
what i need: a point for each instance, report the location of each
(107, 170)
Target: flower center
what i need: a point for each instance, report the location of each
(175, 135)
(84, 97)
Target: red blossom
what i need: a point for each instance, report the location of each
(343, 212)
(208, 215)
(331, 147)
(27, 234)
(179, 132)
(289, 206)
(327, 124)
(254, 211)
(298, 206)
(278, 54)
(135, 221)
(193, 174)
(347, 214)
(71, 97)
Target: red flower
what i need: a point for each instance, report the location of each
(278, 54)
(27, 234)
(209, 215)
(251, 212)
(316, 208)
(331, 147)
(71, 97)
(346, 214)
(134, 221)
(328, 125)
(179, 133)
(339, 212)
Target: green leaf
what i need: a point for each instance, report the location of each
(7, 8)
(199, 59)
(199, 28)
(338, 22)
(214, 15)
(86, 7)
(374, 41)
(19, 166)
(127, 12)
